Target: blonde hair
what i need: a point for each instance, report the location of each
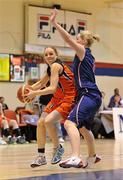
(89, 37)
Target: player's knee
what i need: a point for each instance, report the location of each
(83, 131)
(47, 122)
(40, 122)
(4, 122)
(67, 124)
(13, 122)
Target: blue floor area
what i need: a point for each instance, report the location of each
(98, 175)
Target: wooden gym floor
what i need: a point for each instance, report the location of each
(15, 163)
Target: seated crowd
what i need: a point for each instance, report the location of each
(98, 125)
(10, 130)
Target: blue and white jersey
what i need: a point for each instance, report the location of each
(84, 73)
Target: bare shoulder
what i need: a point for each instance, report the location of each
(56, 67)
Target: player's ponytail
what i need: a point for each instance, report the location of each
(89, 37)
(96, 37)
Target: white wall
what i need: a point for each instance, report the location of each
(109, 25)
(106, 21)
(11, 26)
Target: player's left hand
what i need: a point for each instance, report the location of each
(53, 15)
(30, 95)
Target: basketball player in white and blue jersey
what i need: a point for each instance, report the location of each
(88, 99)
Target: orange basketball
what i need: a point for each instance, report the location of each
(22, 91)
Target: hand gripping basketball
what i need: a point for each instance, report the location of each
(22, 91)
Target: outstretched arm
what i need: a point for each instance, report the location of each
(80, 50)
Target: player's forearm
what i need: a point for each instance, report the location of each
(41, 83)
(65, 35)
(48, 90)
(69, 40)
(38, 85)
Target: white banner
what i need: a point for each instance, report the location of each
(40, 32)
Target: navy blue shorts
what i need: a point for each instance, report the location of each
(84, 111)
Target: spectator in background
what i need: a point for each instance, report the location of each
(117, 101)
(2, 142)
(103, 106)
(32, 119)
(4, 105)
(5, 124)
(102, 122)
(97, 127)
(113, 98)
(107, 128)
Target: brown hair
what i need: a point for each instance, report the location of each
(54, 49)
(89, 37)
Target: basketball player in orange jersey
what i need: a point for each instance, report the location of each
(62, 86)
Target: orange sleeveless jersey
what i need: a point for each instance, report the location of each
(64, 97)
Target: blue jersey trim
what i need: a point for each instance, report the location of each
(109, 72)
